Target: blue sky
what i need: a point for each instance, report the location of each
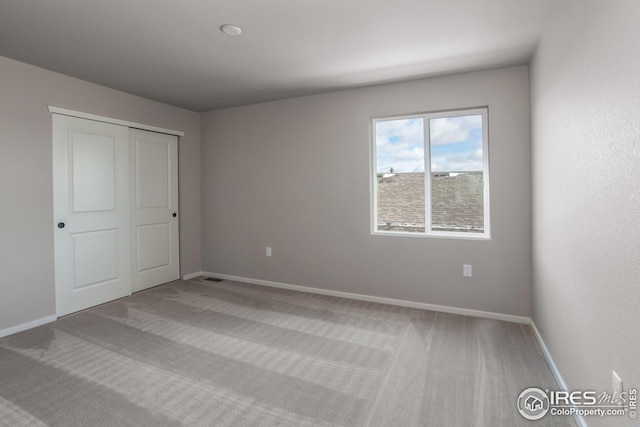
(456, 144)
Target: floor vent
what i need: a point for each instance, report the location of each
(213, 279)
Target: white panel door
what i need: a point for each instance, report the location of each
(92, 234)
(154, 197)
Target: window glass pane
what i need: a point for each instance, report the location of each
(457, 187)
(400, 175)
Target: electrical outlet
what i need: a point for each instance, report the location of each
(268, 251)
(466, 270)
(617, 385)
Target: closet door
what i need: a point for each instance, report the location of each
(154, 199)
(91, 213)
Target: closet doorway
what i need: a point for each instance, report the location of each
(116, 216)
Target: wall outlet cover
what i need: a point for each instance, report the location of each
(467, 270)
(617, 384)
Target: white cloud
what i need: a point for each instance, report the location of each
(461, 161)
(450, 130)
(400, 145)
(456, 144)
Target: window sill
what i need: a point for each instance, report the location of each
(436, 235)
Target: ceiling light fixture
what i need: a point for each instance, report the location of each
(231, 30)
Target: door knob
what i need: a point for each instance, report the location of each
(175, 214)
(61, 225)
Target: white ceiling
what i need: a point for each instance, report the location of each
(172, 50)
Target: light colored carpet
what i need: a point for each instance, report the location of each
(201, 353)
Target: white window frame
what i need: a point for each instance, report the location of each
(486, 234)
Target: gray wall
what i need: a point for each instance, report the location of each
(294, 175)
(586, 193)
(26, 195)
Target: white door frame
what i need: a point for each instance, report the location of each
(111, 120)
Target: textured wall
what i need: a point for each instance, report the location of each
(26, 194)
(586, 193)
(294, 175)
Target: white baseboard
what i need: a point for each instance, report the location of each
(554, 370)
(369, 298)
(23, 327)
(192, 275)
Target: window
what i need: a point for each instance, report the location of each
(432, 174)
